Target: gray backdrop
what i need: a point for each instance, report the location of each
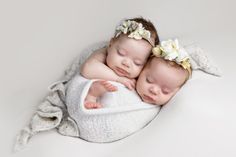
(40, 38)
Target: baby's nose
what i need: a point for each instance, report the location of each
(155, 90)
(126, 62)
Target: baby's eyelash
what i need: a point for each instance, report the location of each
(120, 53)
(165, 91)
(138, 64)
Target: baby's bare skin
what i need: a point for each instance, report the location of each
(97, 89)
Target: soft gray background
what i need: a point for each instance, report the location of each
(40, 38)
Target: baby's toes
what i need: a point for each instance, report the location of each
(92, 105)
(88, 105)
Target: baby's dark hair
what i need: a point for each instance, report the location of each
(148, 25)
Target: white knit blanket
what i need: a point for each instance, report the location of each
(52, 112)
(122, 114)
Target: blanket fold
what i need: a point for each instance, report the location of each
(122, 114)
(52, 113)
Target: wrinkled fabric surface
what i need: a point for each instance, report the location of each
(52, 112)
(122, 114)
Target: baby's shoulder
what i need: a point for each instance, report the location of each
(100, 54)
(100, 50)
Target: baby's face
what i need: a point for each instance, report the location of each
(159, 82)
(127, 56)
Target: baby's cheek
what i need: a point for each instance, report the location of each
(138, 70)
(135, 73)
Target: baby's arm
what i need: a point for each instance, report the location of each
(95, 68)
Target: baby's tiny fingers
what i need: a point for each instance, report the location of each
(134, 81)
(131, 87)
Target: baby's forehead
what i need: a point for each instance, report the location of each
(136, 55)
(155, 63)
(160, 69)
(152, 63)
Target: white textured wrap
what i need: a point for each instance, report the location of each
(122, 114)
(104, 125)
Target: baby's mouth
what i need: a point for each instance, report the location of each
(121, 71)
(148, 98)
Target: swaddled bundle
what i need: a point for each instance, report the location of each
(122, 114)
(106, 124)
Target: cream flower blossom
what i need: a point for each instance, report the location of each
(171, 50)
(135, 30)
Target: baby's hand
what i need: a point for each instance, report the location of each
(129, 83)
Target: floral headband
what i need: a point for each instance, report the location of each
(170, 50)
(135, 30)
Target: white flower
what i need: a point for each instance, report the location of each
(170, 46)
(170, 56)
(170, 50)
(182, 55)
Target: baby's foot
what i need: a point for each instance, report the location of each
(97, 89)
(90, 102)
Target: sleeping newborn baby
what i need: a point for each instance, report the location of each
(164, 74)
(116, 111)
